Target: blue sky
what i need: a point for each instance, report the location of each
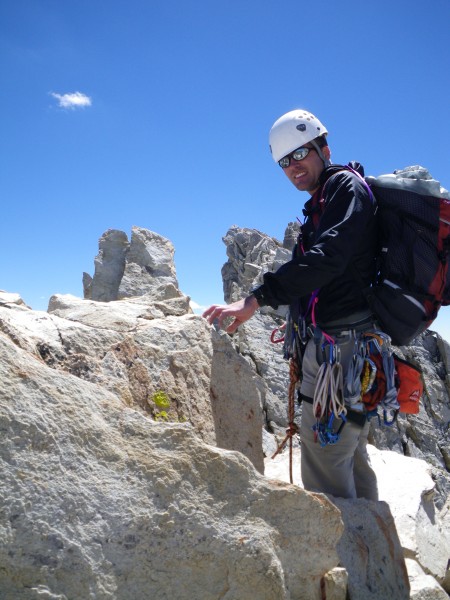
(171, 128)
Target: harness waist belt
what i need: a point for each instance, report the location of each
(344, 325)
(354, 416)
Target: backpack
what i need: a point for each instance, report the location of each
(413, 279)
(413, 275)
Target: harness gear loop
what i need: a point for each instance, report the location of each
(294, 378)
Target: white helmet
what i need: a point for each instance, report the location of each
(292, 130)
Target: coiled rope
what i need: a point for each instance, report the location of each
(328, 393)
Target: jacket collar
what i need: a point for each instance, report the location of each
(314, 205)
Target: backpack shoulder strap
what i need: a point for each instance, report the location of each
(358, 171)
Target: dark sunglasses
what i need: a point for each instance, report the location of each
(298, 154)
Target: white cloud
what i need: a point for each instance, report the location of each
(197, 308)
(75, 100)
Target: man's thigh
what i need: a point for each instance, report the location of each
(329, 469)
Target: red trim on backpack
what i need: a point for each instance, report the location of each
(438, 285)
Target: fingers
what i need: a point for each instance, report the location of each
(212, 313)
(219, 313)
(241, 310)
(233, 326)
(208, 311)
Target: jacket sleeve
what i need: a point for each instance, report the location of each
(348, 209)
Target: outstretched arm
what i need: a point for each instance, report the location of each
(242, 311)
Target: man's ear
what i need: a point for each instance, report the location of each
(326, 152)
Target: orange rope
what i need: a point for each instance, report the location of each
(294, 378)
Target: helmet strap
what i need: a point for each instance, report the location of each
(326, 161)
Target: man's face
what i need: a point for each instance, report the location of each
(305, 173)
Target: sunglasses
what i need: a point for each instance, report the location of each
(298, 154)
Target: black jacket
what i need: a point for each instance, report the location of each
(339, 258)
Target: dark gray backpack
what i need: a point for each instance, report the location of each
(413, 279)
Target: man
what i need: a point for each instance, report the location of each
(323, 284)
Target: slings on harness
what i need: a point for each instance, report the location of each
(328, 402)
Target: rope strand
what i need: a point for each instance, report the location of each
(294, 378)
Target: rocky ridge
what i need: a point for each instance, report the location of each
(131, 453)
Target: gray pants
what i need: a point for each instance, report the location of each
(340, 469)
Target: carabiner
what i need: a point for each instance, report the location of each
(277, 340)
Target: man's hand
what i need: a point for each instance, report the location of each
(242, 311)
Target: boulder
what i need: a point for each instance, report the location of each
(149, 267)
(371, 552)
(109, 267)
(253, 341)
(143, 267)
(250, 254)
(237, 397)
(135, 351)
(423, 586)
(406, 486)
(7, 298)
(98, 500)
